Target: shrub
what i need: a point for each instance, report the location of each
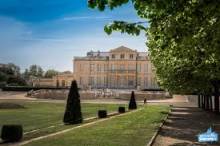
(121, 109)
(102, 113)
(7, 105)
(73, 113)
(11, 133)
(132, 103)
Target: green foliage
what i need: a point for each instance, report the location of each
(36, 71)
(10, 74)
(73, 113)
(16, 81)
(132, 103)
(124, 27)
(183, 40)
(3, 77)
(50, 73)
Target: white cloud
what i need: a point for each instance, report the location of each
(86, 18)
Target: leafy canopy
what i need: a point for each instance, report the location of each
(183, 39)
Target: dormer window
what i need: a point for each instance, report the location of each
(113, 56)
(131, 56)
(122, 56)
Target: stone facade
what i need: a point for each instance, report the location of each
(120, 68)
(61, 80)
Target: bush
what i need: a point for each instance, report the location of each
(16, 81)
(121, 109)
(102, 113)
(7, 105)
(132, 103)
(11, 133)
(73, 113)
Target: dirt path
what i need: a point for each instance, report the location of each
(184, 124)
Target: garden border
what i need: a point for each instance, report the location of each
(152, 140)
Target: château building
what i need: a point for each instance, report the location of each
(120, 68)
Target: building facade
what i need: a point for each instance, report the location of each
(120, 68)
(60, 80)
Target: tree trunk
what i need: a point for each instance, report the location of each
(207, 102)
(216, 94)
(199, 104)
(211, 107)
(203, 102)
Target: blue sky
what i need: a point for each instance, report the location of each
(50, 32)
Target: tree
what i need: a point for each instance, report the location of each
(183, 41)
(40, 72)
(15, 69)
(3, 77)
(16, 81)
(26, 74)
(10, 74)
(50, 73)
(35, 71)
(73, 113)
(132, 102)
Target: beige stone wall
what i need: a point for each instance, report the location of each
(63, 94)
(43, 82)
(63, 80)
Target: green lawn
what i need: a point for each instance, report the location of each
(41, 114)
(132, 129)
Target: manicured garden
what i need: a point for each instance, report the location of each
(131, 129)
(41, 115)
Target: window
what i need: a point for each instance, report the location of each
(131, 67)
(113, 56)
(112, 67)
(130, 81)
(139, 67)
(146, 68)
(146, 82)
(92, 66)
(80, 81)
(99, 67)
(131, 56)
(122, 56)
(139, 81)
(122, 67)
(63, 83)
(91, 80)
(80, 67)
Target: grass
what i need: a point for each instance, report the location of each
(41, 115)
(132, 129)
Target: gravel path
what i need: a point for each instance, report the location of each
(184, 124)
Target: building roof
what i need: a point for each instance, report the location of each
(122, 49)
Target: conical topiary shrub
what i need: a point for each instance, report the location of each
(73, 113)
(132, 103)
